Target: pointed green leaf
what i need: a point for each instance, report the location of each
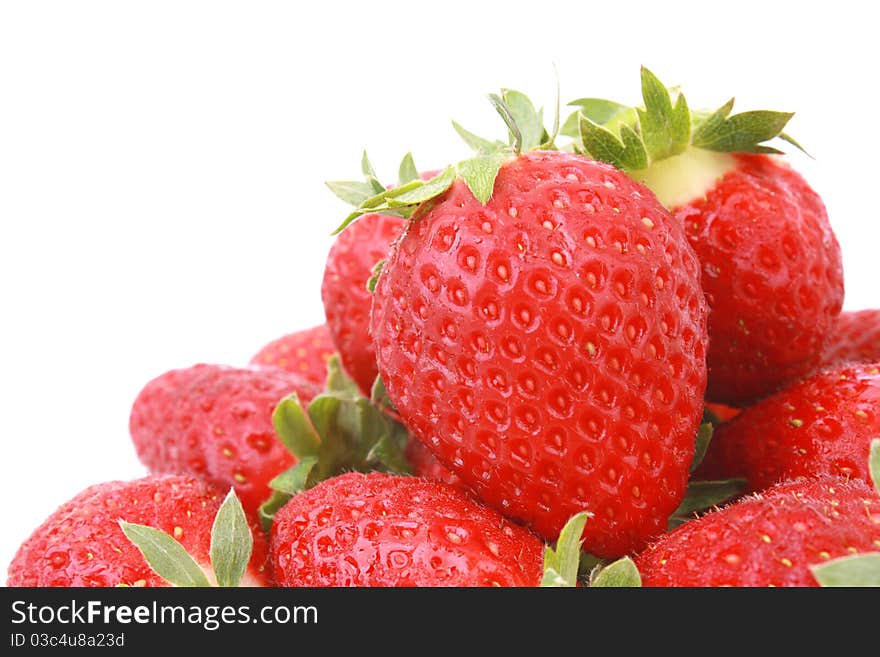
(527, 119)
(516, 137)
(166, 556)
(231, 542)
(605, 146)
(422, 191)
(352, 192)
(479, 174)
(704, 495)
(561, 562)
(704, 127)
(373, 280)
(665, 130)
(603, 112)
(701, 443)
(367, 167)
(788, 138)
(379, 396)
(858, 570)
(478, 144)
(407, 170)
(294, 428)
(295, 479)
(338, 380)
(874, 463)
(620, 574)
(742, 133)
(350, 218)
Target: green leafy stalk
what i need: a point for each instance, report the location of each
(168, 558)
(339, 431)
(858, 570)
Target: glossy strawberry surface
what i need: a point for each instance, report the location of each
(856, 338)
(549, 347)
(772, 273)
(344, 292)
(821, 426)
(387, 530)
(81, 543)
(216, 422)
(303, 352)
(768, 539)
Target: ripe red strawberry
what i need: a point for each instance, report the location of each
(216, 422)
(541, 328)
(768, 539)
(303, 352)
(821, 426)
(387, 530)
(344, 291)
(771, 264)
(856, 339)
(82, 543)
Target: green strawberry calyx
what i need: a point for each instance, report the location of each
(561, 562)
(526, 132)
(339, 431)
(677, 152)
(860, 570)
(231, 547)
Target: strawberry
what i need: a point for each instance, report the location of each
(216, 421)
(772, 269)
(782, 537)
(83, 544)
(856, 339)
(346, 287)
(344, 291)
(820, 426)
(303, 352)
(385, 530)
(541, 328)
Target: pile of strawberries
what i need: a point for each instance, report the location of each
(615, 361)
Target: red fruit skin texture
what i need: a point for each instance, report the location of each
(383, 530)
(772, 273)
(215, 422)
(821, 426)
(81, 543)
(856, 338)
(344, 291)
(549, 347)
(303, 352)
(425, 464)
(768, 539)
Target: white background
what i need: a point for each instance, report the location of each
(161, 169)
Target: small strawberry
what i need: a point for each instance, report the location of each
(541, 328)
(820, 426)
(83, 543)
(350, 268)
(785, 536)
(386, 530)
(856, 339)
(771, 264)
(216, 422)
(303, 352)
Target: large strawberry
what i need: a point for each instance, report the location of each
(386, 530)
(856, 339)
(304, 352)
(541, 328)
(216, 421)
(771, 264)
(798, 533)
(83, 544)
(822, 425)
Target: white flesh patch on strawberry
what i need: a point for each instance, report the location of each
(684, 178)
